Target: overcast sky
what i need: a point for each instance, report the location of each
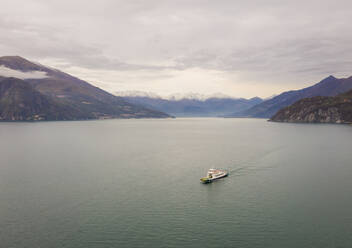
(241, 48)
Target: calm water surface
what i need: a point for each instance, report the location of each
(135, 183)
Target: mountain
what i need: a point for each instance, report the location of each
(67, 96)
(330, 86)
(197, 96)
(19, 101)
(319, 109)
(193, 105)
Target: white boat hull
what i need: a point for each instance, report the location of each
(214, 174)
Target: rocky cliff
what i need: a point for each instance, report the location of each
(318, 109)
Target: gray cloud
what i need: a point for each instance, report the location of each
(257, 40)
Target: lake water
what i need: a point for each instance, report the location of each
(135, 183)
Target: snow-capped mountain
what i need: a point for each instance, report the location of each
(136, 93)
(191, 104)
(175, 96)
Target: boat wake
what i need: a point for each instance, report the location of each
(255, 164)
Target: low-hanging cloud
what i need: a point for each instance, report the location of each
(8, 72)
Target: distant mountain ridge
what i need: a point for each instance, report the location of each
(329, 86)
(73, 98)
(192, 105)
(319, 109)
(175, 96)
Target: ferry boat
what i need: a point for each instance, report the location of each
(214, 174)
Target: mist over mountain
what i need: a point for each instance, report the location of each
(192, 104)
(329, 86)
(30, 91)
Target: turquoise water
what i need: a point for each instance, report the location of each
(135, 183)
